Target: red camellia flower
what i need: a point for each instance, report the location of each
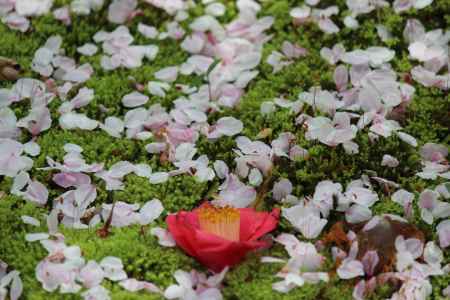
(221, 236)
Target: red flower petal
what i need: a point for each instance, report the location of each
(255, 224)
(182, 230)
(214, 251)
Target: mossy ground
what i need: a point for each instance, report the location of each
(427, 119)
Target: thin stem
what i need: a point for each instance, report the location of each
(258, 204)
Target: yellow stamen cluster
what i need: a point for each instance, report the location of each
(221, 221)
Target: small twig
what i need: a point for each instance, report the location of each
(104, 231)
(258, 203)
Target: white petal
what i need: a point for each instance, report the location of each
(134, 99)
(227, 126)
(221, 169)
(113, 268)
(87, 49)
(183, 278)
(120, 10)
(433, 255)
(113, 126)
(32, 148)
(409, 139)
(443, 230)
(77, 121)
(142, 170)
(302, 12)
(174, 292)
(294, 279)
(32, 237)
(419, 4)
(149, 32)
(165, 239)
(168, 74)
(33, 7)
(16, 288)
(350, 269)
(96, 293)
(158, 88)
(358, 213)
(255, 177)
(159, 177)
(150, 211)
(91, 274)
(215, 9)
(389, 161)
(37, 193)
(281, 189)
(31, 221)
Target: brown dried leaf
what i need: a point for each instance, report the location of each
(382, 237)
(336, 235)
(9, 69)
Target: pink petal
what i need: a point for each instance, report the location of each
(370, 261)
(120, 10)
(36, 192)
(350, 269)
(341, 77)
(91, 274)
(443, 230)
(281, 189)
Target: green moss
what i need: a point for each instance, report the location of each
(338, 290)
(178, 193)
(18, 253)
(387, 206)
(105, 149)
(426, 118)
(382, 292)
